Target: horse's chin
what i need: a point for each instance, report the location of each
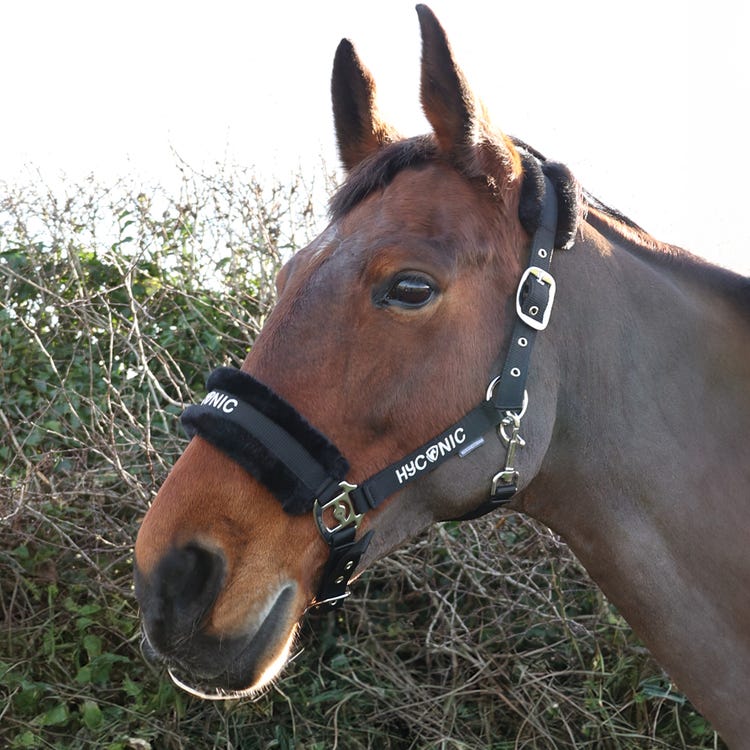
(229, 684)
(225, 687)
(227, 668)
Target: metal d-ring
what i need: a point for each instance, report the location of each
(491, 388)
(491, 391)
(524, 406)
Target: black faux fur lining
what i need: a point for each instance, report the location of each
(571, 204)
(532, 190)
(252, 455)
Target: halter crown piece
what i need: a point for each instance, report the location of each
(268, 437)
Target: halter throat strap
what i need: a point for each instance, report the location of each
(267, 436)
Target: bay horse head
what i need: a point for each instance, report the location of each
(387, 330)
(387, 388)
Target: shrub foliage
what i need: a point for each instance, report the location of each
(114, 305)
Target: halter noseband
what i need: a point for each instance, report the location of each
(305, 471)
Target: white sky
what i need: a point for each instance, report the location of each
(646, 101)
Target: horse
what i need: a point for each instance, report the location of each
(393, 386)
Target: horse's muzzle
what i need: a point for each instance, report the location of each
(176, 601)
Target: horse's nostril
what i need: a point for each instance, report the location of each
(189, 575)
(179, 593)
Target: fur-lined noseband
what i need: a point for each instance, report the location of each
(245, 419)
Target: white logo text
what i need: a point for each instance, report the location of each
(220, 401)
(430, 455)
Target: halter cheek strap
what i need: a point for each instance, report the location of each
(304, 470)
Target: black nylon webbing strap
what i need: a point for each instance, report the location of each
(458, 440)
(502, 495)
(343, 558)
(509, 395)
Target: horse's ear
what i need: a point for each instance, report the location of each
(359, 129)
(458, 118)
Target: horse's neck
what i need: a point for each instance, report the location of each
(648, 472)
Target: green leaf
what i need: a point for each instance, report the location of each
(83, 676)
(27, 739)
(131, 688)
(93, 645)
(656, 687)
(83, 623)
(91, 713)
(88, 609)
(28, 698)
(53, 717)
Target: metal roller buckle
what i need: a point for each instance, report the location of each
(343, 511)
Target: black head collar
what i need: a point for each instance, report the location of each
(269, 438)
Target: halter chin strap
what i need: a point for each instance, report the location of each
(305, 471)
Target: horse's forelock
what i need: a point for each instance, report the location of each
(379, 170)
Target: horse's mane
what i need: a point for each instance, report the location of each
(613, 225)
(576, 205)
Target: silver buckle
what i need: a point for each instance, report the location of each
(343, 510)
(541, 277)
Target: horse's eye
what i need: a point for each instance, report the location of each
(410, 292)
